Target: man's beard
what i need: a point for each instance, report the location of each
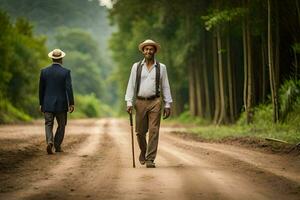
(149, 57)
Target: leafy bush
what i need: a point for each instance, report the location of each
(289, 96)
(263, 126)
(87, 106)
(289, 127)
(10, 114)
(263, 115)
(186, 117)
(22, 54)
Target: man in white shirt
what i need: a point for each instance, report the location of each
(148, 80)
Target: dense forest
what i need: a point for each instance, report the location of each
(226, 59)
(29, 30)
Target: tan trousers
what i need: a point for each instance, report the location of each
(148, 113)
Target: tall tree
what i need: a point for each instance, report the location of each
(272, 70)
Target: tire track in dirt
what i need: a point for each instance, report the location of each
(64, 178)
(134, 183)
(185, 173)
(266, 162)
(141, 183)
(202, 180)
(234, 174)
(100, 167)
(23, 157)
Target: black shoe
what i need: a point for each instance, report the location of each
(150, 164)
(142, 158)
(49, 148)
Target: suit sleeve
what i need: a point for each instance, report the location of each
(41, 88)
(69, 89)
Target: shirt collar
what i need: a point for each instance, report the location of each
(56, 63)
(143, 62)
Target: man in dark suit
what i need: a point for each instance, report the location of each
(56, 99)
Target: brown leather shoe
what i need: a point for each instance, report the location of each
(49, 148)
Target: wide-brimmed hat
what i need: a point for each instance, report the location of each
(56, 54)
(149, 42)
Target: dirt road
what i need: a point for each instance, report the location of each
(97, 164)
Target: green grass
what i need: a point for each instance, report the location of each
(262, 126)
(288, 129)
(279, 131)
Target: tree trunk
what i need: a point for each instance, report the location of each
(250, 92)
(245, 48)
(216, 80)
(248, 71)
(277, 56)
(263, 59)
(191, 72)
(296, 64)
(271, 66)
(198, 75)
(207, 101)
(192, 89)
(295, 53)
(223, 115)
(230, 83)
(298, 11)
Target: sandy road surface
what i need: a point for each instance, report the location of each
(97, 164)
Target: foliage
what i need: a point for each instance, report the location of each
(218, 17)
(80, 27)
(186, 118)
(49, 15)
(77, 39)
(289, 95)
(90, 106)
(277, 131)
(262, 126)
(137, 21)
(296, 47)
(84, 59)
(21, 54)
(10, 114)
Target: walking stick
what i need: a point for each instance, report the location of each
(132, 141)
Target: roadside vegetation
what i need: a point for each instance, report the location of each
(262, 127)
(26, 37)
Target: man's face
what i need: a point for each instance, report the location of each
(149, 52)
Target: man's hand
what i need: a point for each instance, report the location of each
(41, 109)
(71, 108)
(167, 112)
(129, 109)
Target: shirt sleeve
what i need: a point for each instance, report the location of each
(130, 86)
(166, 88)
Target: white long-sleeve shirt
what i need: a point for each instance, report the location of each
(147, 85)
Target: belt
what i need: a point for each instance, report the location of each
(147, 98)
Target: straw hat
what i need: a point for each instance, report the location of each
(56, 54)
(149, 42)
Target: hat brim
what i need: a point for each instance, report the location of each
(156, 45)
(50, 55)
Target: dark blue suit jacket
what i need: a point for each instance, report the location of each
(55, 89)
